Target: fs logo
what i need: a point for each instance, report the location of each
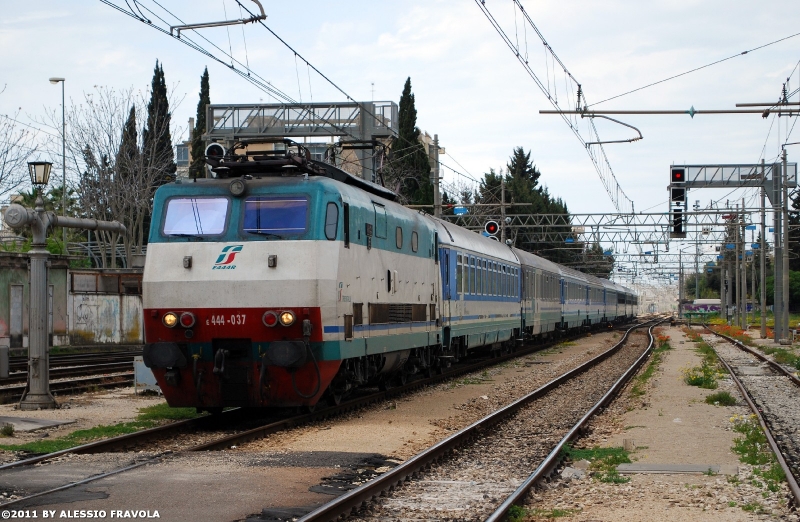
(226, 257)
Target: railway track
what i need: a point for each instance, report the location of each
(482, 470)
(151, 441)
(13, 393)
(771, 391)
(20, 363)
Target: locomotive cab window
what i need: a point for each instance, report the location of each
(331, 221)
(195, 216)
(414, 242)
(398, 237)
(276, 215)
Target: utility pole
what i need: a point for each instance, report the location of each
(696, 253)
(743, 315)
(437, 196)
(785, 234)
(763, 257)
(777, 207)
(502, 209)
(737, 272)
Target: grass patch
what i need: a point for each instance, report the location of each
(517, 514)
(782, 356)
(148, 417)
(752, 448)
(703, 376)
(551, 513)
(604, 462)
(722, 398)
(638, 388)
(565, 344)
(7, 430)
(164, 412)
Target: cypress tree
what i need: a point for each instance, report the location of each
(409, 156)
(197, 168)
(157, 141)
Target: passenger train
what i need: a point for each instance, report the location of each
(284, 280)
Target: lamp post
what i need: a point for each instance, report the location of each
(38, 394)
(62, 81)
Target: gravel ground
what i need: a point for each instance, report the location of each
(669, 498)
(774, 394)
(470, 484)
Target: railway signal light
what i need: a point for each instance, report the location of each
(677, 194)
(491, 228)
(677, 223)
(678, 176)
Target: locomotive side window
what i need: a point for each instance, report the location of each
(275, 215)
(331, 221)
(195, 216)
(414, 242)
(398, 237)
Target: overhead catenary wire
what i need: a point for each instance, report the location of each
(695, 69)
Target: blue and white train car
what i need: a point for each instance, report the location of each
(541, 294)
(480, 299)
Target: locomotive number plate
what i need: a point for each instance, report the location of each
(231, 320)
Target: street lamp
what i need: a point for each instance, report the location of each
(39, 172)
(62, 81)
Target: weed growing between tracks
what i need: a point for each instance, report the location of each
(662, 345)
(753, 448)
(604, 462)
(722, 398)
(148, 417)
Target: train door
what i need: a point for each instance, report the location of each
(447, 288)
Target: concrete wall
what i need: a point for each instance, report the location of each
(84, 306)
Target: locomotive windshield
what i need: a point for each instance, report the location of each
(195, 216)
(275, 215)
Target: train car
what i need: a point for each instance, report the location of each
(574, 302)
(595, 303)
(480, 291)
(541, 295)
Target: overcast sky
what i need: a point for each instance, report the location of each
(469, 88)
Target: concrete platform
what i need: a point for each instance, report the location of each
(669, 469)
(27, 424)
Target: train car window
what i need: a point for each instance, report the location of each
(485, 278)
(459, 268)
(414, 241)
(479, 284)
(358, 313)
(346, 227)
(195, 216)
(398, 237)
(471, 275)
(380, 220)
(275, 215)
(331, 221)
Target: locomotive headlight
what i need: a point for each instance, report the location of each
(170, 319)
(286, 318)
(269, 319)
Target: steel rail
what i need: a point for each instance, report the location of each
(73, 371)
(13, 393)
(364, 493)
(790, 479)
(554, 457)
(755, 353)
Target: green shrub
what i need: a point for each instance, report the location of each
(722, 398)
